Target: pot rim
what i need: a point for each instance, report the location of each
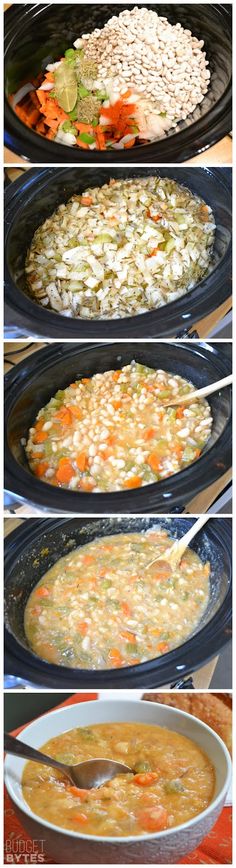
(181, 313)
(214, 125)
(215, 803)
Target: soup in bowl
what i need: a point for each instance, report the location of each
(156, 819)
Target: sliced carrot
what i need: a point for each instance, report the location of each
(150, 433)
(197, 453)
(40, 436)
(39, 424)
(87, 484)
(153, 819)
(88, 559)
(132, 482)
(100, 139)
(116, 375)
(163, 647)
(154, 461)
(130, 143)
(82, 461)
(37, 454)
(116, 404)
(111, 439)
(80, 818)
(42, 592)
(76, 412)
(84, 128)
(146, 779)
(115, 657)
(83, 627)
(85, 380)
(82, 144)
(179, 413)
(64, 471)
(64, 415)
(126, 608)
(153, 252)
(80, 794)
(178, 450)
(129, 636)
(41, 468)
(126, 94)
(33, 116)
(86, 200)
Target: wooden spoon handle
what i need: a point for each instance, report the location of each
(179, 546)
(204, 392)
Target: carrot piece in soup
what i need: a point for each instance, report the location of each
(154, 819)
(133, 482)
(41, 468)
(42, 592)
(146, 779)
(64, 471)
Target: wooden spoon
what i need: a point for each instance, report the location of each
(199, 393)
(175, 553)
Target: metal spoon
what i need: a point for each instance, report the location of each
(175, 553)
(199, 393)
(86, 775)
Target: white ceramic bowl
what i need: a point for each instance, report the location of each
(163, 847)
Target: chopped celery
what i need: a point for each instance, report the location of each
(100, 94)
(106, 584)
(66, 126)
(103, 238)
(131, 647)
(73, 115)
(82, 91)
(169, 246)
(171, 413)
(142, 369)
(69, 53)
(142, 766)
(73, 242)
(60, 394)
(87, 138)
(174, 787)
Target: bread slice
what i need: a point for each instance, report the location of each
(211, 708)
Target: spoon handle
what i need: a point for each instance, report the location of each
(205, 391)
(180, 545)
(13, 745)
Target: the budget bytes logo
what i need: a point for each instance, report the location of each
(20, 852)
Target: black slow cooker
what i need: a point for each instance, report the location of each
(36, 34)
(34, 381)
(36, 545)
(31, 199)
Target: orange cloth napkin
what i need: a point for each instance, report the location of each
(215, 849)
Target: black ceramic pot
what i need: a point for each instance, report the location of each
(31, 199)
(26, 561)
(33, 382)
(36, 34)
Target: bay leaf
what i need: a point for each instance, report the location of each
(66, 87)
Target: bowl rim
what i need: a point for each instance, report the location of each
(131, 839)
